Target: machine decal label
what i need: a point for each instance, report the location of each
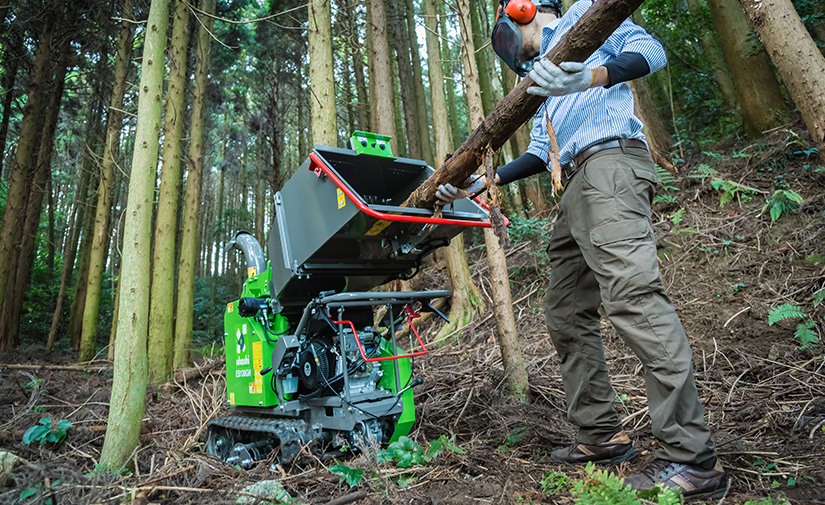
(377, 228)
(231, 398)
(242, 361)
(229, 308)
(244, 372)
(241, 347)
(251, 272)
(342, 200)
(257, 387)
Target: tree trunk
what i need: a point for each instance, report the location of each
(84, 257)
(466, 299)
(69, 251)
(14, 210)
(756, 86)
(11, 62)
(321, 78)
(162, 296)
(100, 235)
(126, 405)
(362, 106)
(384, 120)
(656, 134)
(15, 291)
(587, 35)
(507, 335)
(536, 203)
(713, 53)
(479, 40)
(797, 58)
(418, 84)
(405, 78)
(186, 267)
(449, 75)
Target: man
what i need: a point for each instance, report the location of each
(602, 246)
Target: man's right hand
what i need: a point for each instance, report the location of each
(447, 193)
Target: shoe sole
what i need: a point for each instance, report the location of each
(628, 455)
(713, 495)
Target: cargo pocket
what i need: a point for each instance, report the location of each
(646, 174)
(625, 253)
(610, 233)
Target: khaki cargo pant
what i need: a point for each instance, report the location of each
(602, 249)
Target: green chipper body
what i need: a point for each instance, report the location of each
(308, 361)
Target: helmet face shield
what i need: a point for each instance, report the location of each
(507, 41)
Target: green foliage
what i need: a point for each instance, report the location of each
(600, 487)
(29, 495)
(783, 201)
(785, 311)
(532, 228)
(806, 331)
(676, 217)
(352, 476)
(407, 453)
(703, 171)
(47, 431)
(728, 190)
(668, 188)
(553, 482)
(34, 384)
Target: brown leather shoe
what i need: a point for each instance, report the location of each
(690, 479)
(614, 451)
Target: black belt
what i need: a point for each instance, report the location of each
(570, 168)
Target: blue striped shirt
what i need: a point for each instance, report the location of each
(597, 114)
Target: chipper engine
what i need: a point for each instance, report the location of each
(307, 366)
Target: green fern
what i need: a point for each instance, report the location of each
(805, 334)
(703, 171)
(602, 488)
(783, 201)
(784, 312)
(819, 297)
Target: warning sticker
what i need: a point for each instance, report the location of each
(251, 272)
(229, 307)
(257, 365)
(231, 398)
(342, 199)
(377, 228)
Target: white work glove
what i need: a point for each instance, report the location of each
(568, 77)
(447, 193)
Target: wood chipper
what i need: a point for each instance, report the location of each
(306, 364)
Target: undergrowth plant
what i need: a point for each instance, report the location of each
(47, 431)
(806, 331)
(666, 193)
(782, 202)
(600, 487)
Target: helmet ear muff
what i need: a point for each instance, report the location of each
(521, 11)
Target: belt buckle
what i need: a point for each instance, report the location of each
(569, 169)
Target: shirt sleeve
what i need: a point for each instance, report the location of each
(632, 38)
(539, 138)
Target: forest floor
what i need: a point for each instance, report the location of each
(724, 267)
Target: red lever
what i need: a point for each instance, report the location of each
(410, 316)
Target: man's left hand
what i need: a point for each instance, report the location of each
(552, 80)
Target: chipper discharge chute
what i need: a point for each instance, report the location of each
(306, 366)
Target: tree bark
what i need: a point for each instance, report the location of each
(418, 84)
(162, 296)
(324, 128)
(384, 120)
(514, 370)
(126, 405)
(713, 53)
(799, 61)
(188, 252)
(449, 75)
(587, 35)
(405, 77)
(11, 62)
(656, 134)
(100, 235)
(15, 291)
(13, 213)
(756, 87)
(466, 299)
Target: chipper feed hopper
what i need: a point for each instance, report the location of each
(306, 366)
